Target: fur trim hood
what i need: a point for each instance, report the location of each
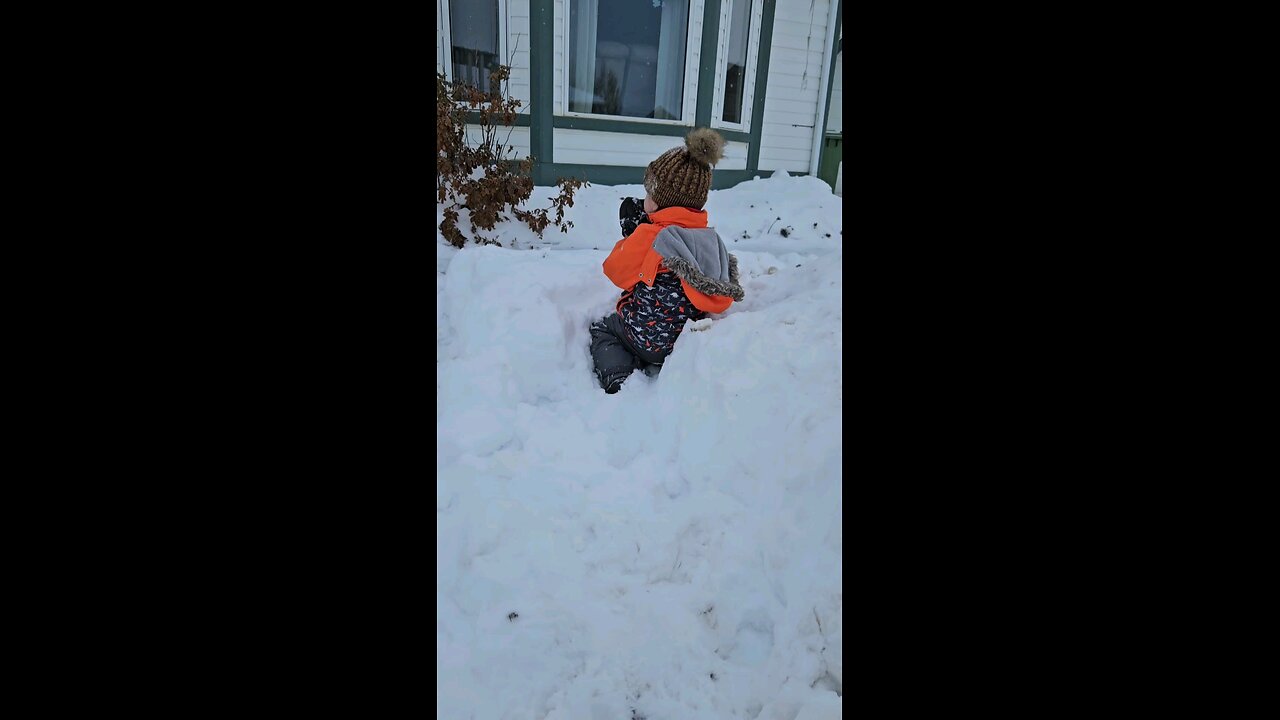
(699, 257)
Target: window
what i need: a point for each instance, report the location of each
(736, 63)
(629, 58)
(475, 39)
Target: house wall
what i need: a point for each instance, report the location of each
(795, 77)
(518, 139)
(516, 46)
(790, 92)
(693, 53)
(586, 147)
(440, 43)
(558, 56)
(835, 122)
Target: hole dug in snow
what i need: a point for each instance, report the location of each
(826, 682)
(753, 643)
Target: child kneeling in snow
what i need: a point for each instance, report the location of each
(670, 266)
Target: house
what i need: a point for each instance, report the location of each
(833, 144)
(608, 85)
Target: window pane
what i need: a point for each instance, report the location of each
(473, 25)
(736, 70)
(626, 57)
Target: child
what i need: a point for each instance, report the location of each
(670, 266)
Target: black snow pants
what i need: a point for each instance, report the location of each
(615, 357)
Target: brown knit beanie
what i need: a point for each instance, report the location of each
(681, 177)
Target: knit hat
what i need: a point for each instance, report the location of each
(681, 177)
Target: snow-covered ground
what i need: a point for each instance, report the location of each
(670, 552)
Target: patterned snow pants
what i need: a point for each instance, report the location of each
(614, 356)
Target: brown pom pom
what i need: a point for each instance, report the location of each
(705, 145)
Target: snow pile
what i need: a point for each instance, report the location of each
(671, 551)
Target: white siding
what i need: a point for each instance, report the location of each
(518, 48)
(795, 75)
(693, 61)
(440, 49)
(594, 147)
(558, 67)
(735, 157)
(519, 139)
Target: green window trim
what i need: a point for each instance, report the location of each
(542, 121)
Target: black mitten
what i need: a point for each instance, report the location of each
(630, 214)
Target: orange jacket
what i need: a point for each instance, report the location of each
(634, 260)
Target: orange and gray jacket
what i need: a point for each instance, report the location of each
(671, 269)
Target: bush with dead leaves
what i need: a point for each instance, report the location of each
(476, 170)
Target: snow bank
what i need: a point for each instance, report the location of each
(672, 551)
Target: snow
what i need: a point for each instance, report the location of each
(601, 557)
